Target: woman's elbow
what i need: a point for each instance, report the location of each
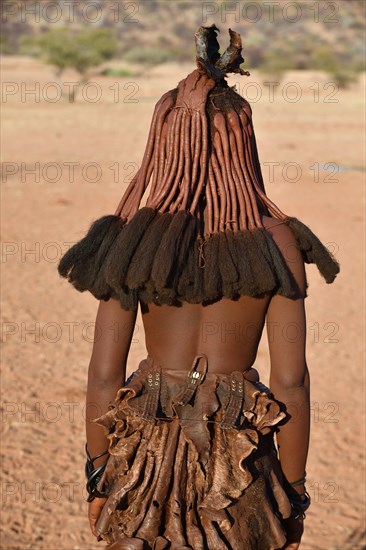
(105, 376)
(292, 378)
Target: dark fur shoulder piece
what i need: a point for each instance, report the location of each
(161, 258)
(313, 251)
(80, 265)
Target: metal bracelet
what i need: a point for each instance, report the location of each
(299, 506)
(93, 476)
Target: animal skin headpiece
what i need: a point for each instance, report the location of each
(199, 235)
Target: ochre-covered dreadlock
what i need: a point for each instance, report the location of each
(200, 235)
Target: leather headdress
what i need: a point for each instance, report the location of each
(199, 235)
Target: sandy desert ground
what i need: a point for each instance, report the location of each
(65, 165)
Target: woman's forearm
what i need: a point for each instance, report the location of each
(107, 368)
(293, 436)
(100, 394)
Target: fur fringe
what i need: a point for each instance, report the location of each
(81, 263)
(120, 254)
(227, 260)
(211, 274)
(160, 257)
(170, 255)
(313, 251)
(141, 264)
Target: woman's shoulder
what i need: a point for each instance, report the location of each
(270, 223)
(280, 231)
(285, 239)
(289, 247)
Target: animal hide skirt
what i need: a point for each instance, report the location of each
(192, 462)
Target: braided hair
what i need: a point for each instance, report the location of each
(199, 236)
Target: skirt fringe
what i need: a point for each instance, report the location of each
(192, 463)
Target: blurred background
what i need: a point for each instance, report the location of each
(79, 83)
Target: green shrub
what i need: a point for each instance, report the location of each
(343, 78)
(358, 66)
(324, 59)
(276, 62)
(64, 48)
(148, 56)
(5, 48)
(117, 72)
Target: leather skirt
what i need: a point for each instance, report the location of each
(192, 462)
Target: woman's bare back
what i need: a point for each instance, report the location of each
(227, 331)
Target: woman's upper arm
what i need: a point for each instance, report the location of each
(114, 327)
(286, 317)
